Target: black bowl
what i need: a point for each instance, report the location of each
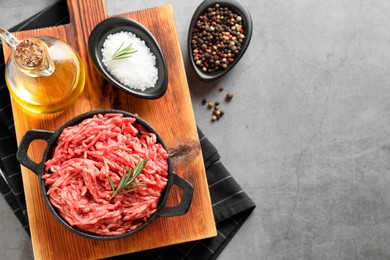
(237, 7)
(117, 24)
(51, 138)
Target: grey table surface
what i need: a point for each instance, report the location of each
(306, 134)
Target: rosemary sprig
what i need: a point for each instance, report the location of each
(123, 53)
(127, 184)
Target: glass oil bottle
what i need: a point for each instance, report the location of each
(43, 74)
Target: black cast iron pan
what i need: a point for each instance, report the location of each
(51, 138)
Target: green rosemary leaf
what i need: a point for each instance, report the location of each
(138, 168)
(123, 53)
(127, 184)
(133, 187)
(127, 191)
(111, 182)
(123, 180)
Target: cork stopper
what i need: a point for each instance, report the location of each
(30, 54)
(32, 57)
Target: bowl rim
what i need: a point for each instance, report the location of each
(116, 24)
(239, 8)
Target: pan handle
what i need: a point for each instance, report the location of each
(185, 202)
(21, 154)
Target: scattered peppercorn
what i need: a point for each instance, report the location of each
(217, 113)
(229, 96)
(217, 38)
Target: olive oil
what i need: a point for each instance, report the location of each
(42, 93)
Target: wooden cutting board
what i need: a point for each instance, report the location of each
(171, 115)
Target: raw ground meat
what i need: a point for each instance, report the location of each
(101, 146)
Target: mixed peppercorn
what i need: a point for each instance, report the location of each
(217, 38)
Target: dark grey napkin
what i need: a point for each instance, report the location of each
(231, 205)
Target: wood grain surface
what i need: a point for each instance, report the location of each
(171, 115)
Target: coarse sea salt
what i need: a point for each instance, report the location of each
(137, 72)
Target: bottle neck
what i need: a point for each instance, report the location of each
(8, 38)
